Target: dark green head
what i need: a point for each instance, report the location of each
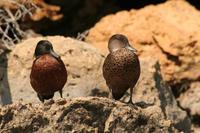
(119, 41)
(45, 47)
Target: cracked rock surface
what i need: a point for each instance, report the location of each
(88, 114)
(152, 88)
(190, 101)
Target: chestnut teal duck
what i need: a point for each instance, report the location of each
(48, 73)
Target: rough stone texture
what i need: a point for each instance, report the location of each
(190, 99)
(152, 89)
(171, 30)
(83, 63)
(89, 114)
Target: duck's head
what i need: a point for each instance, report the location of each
(45, 47)
(119, 41)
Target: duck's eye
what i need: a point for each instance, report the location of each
(47, 47)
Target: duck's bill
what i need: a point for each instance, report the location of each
(131, 48)
(54, 54)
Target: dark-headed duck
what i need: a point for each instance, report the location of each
(48, 73)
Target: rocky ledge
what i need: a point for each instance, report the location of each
(85, 114)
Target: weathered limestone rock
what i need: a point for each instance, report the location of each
(190, 101)
(152, 89)
(89, 114)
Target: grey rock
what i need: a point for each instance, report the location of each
(190, 99)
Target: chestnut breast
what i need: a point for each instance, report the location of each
(48, 74)
(121, 70)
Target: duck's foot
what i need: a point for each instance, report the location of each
(49, 102)
(60, 91)
(110, 95)
(132, 105)
(143, 104)
(61, 101)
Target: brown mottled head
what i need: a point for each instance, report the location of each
(45, 47)
(119, 41)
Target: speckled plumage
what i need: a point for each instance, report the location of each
(121, 71)
(48, 75)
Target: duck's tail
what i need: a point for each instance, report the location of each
(44, 97)
(118, 93)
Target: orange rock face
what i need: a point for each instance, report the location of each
(169, 32)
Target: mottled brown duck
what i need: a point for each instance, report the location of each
(121, 68)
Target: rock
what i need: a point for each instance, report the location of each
(82, 61)
(190, 101)
(89, 114)
(152, 89)
(174, 36)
